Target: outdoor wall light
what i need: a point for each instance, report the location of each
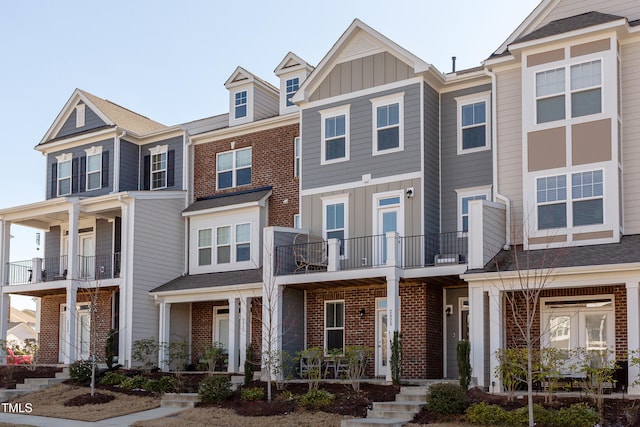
(448, 310)
(409, 192)
(361, 313)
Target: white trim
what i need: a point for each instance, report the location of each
(382, 101)
(234, 168)
(248, 117)
(158, 150)
(335, 200)
(325, 328)
(93, 151)
(80, 115)
(64, 158)
(475, 98)
(297, 157)
(387, 195)
(462, 193)
(360, 184)
(343, 110)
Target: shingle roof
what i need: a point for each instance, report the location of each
(236, 198)
(124, 118)
(624, 252)
(565, 25)
(212, 280)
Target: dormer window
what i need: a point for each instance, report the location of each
(292, 86)
(240, 104)
(80, 115)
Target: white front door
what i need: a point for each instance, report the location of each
(221, 326)
(388, 218)
(87, 259)
(382, 338)
(82, 325)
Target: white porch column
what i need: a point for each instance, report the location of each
(5, 244)
(633, 331)
(245, 330)
(164, 335)
(72, 253)
(234, 328)
(393, 313)
(70, 320)
(476, 333)
(333, 260)
(496, 336)
(392, 246)
(5, 300)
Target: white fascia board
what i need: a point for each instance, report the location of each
(244, 129)
(359, 184)
(155, 195)
(259, 203)
(73, 140)
(207, 294)
(532, 20)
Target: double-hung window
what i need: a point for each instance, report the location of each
(550, 95)
(205, 246)
(64, 176)
(94, 171)
(464, 211)
(234, 168)
(586, 91)
(240, 104)
(474, 132)
(587, 194)
(292, 86)
(243, 242)
(334, 325)
(551, 196)
(223, 245)
(335, 135)
(387, 124)
(298, 157)
(334, 222)
(159, 170)
(233, 244)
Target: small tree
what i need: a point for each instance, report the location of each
(396, 358)
(550, 362)
(177, 358)
(598, 367)
(143, 352)
(464, 363)
(511, 369)
(311, 360)
(356, 360)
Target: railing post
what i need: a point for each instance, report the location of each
(392, 248)
(36, 265)
(333, 262)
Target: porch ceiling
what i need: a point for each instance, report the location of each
(326, 284)
(56, 290)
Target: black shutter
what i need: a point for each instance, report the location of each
(54, 180)
(171, 159)
(75, 169)
(105, 169)
(83, 174)
(147, 172)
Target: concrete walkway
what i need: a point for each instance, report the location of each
(125, 420)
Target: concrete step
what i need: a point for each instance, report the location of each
(415, 390)
(179, 400)
(411, 397)
(8, 394)
(404, 406)
(390, 415)
(64, 374)
(42, 381)
(373, 422)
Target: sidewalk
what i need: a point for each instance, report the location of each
(125, 420)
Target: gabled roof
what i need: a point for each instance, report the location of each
(225, 200)
(110, 113)
(560, 26)
(241, 76)
(292, 62)
(359, 38)
(211, 280)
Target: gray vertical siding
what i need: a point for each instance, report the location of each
(91, 121)
(129, 166)
(293, 318)
(494, 231)
(264, 104)
(104, 237)
(174, 144)
(52, 242)
(107, 145)
(361, 133)
(431, 161)
(459, 171)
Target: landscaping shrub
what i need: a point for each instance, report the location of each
(145, 352)
(80, 370)
(578, 415)
(463, 351)
(214, 389)
(113, 378)
(252, 393)
(487, 415)
(316, 399)
(134, 382)
(163, 385)
(446, 399)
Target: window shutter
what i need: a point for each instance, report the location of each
(75, 169)
(147, 172)
(171, 158)
(105, 169)
(54, 180)
(83, 174)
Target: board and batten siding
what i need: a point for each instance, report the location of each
(431, 167)
(509, 110)
(362, 73)
(630, 89)
(129, 166)
(360, 215)
(493, 231)
(91, 121)
(293, 320)
(626, 8)
(104, 237)
(362, 161)
(174, 144)
(460, 171)
(158, 257)
(52, 242)
(264, 104)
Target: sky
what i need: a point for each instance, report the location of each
(168, 60)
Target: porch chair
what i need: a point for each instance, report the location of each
(309, 253)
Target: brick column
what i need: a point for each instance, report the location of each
(633, 331)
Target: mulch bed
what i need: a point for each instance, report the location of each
(87, 399)
(10, 375)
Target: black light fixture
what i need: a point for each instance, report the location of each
(361, 313)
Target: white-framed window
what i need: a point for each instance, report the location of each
(233, 168)
(94, 168)
(64, 174)
(587, 200)
(205, 246)
(297, 156)
(223, 245)
(243, 242)
(464, 197)
(335, 135)
(334, 224)
(334, 325)
(568, 91)
(240, 104)
(474, 119)
(291, 85)
(297, 221)
(80, 115)
(388, 124)
(158, 166)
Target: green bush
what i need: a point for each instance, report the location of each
(252, 393)
(577, 415)
(316, 399)
(80, 370)
(163, 385)
(214, 389)
(463, 350)
(112, 378)
(446, 399)
(134, 382)
(487, 415)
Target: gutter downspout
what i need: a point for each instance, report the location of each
(187, 167)
(116, 162)
(494, 142)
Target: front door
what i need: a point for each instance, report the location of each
(82, 324)
(382, 338)
(87, 259)
(221, 326)
(388, 218)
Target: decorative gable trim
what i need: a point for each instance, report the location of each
(292, 63)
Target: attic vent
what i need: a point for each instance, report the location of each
(80, 115)
(359, 46)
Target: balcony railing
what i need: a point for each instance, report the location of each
(373, 251)
(51, 269)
